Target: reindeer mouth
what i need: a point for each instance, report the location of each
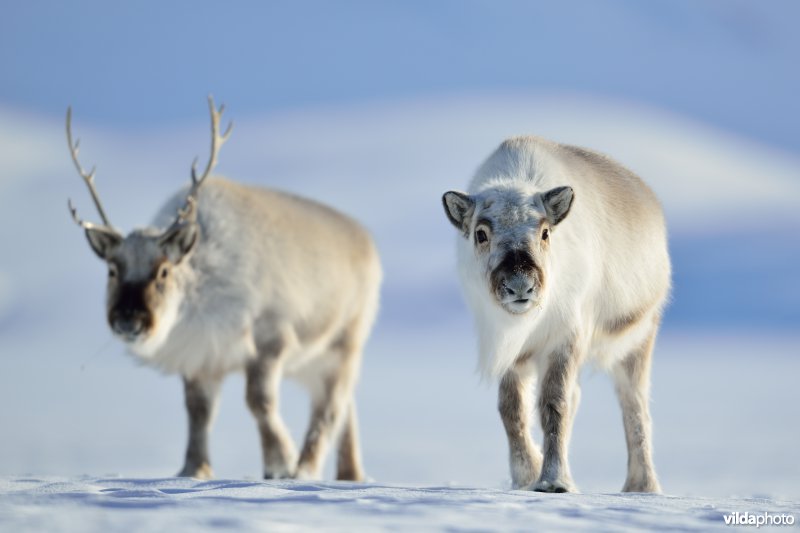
(518, 306)
(517, 293)
(129, 337)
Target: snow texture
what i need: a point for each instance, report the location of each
(174, 504)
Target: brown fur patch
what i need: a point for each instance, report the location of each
(258, 395)
(553, 400)
(623, 323)
(348, 459)
(510, 406)
(556, 410)
(515, 411)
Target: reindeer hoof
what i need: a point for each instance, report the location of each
(202, 471)
(306, 474)
(645, 485)
(274, 475)
(558, 486)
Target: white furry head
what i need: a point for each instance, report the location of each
(507, 226)
(145, 288)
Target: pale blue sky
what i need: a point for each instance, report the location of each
(731, 63)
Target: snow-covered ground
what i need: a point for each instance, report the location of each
(88, 437)
(174, 504)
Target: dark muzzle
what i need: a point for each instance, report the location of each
(129, 322)
(130, 316)
(516, 277)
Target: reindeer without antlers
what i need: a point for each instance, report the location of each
(246, 278)
(563, 258)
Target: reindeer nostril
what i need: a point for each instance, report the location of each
(128, 321)
(519, 287)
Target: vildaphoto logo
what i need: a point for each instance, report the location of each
(758, 519)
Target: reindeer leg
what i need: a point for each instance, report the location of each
(632, 382)
(557, 396)
(201, 405)
(514, 404)
(263, 376)
(348, 461)
(330, 401)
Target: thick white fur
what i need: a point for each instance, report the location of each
(607, 258)
(267, 263)
(603, 278)
(269, 283)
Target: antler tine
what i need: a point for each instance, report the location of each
(186, 214)
(74, 212)
(74, 148)
(217, 141)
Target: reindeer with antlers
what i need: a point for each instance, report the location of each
(252, 279)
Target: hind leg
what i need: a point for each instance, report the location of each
(632, 383)
(348, 460)
(329, 403)
(331, 397)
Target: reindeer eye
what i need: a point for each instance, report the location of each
(163, 272)
(481, 237)
(112, 271)
(545, 234)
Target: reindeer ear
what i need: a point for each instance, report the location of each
(103, 241)
(557, 203)
(458, 207)
(179, 240)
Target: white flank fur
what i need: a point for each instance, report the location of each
(210, 324)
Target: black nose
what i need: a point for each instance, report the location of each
(128, 321)
(518, 286)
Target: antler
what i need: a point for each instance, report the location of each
(217, 141)
(82, 223)
(188, 213)
(74, 147)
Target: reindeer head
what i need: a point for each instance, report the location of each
(148, 267)
(509, 230)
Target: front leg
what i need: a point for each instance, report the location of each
(201, 406)
(557, 396)
(514, 404)
(263, 376)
